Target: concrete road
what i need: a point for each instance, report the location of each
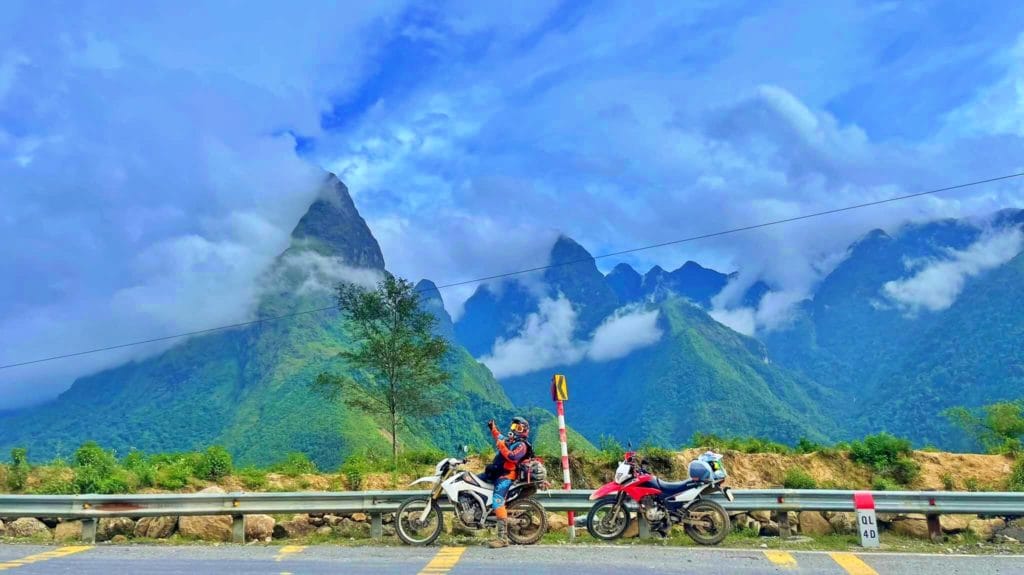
(295, 560)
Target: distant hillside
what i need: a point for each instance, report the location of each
(699, 377)
(898, 368)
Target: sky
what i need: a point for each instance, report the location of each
(153, 160)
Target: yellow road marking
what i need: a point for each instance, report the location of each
(289, 550)
(443, 562)
(54, 554)
(852, 564)
(781, 558)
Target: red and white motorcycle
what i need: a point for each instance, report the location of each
(663, 503)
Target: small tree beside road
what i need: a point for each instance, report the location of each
(395, 370)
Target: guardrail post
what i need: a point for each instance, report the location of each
(89, 531)
(782, 519)
(376, 526)
(643, 527)
(238, 528)
(934, 528)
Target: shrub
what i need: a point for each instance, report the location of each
(137, 464)
(804, 445)
(741, 444)
(887, 455)
(1016, 482)
(294, 464)
(17, 473)
(359, 464)
(173, 471)
(253, 479)
(658, 459)
(948, 483)
(879, 483)
(610, 449)
(214, 464)
(798, 478)
(96, 471)
(972, 484)
(423, 457)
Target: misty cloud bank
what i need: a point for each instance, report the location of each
(547, 339)
(935, 284)
(149, 171)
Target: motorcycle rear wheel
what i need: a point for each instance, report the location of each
(715, 523)
(527, 521)
(605, 522)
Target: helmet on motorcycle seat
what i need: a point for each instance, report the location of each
(519, 428)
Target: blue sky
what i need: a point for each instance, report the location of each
(153, 161)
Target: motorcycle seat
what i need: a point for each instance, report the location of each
(672, 487)
(471, 478)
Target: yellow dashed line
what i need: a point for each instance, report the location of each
(289, 550)
(443, 562)
(781, 558)
(852, 564)
(55, 554)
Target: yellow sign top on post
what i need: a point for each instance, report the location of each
(559, 389)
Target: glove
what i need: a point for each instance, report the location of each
(493, 428)
(490, 424)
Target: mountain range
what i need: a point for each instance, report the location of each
(877, 346)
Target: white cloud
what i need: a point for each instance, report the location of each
(547, 339)
(742, 319)
(938, 283)
(774, 311)
(315, 273)
(624, 332)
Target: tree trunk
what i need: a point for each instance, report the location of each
(394, 442)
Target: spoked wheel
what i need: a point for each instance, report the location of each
(608, 519)
(527, 521)
(410, 526)
(709, 523)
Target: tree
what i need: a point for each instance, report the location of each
(999, 429)
(396, 371)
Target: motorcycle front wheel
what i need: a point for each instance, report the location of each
(607, 519)
(710, 522)
(527, 521)
(411, 529)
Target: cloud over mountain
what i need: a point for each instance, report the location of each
(935, 284)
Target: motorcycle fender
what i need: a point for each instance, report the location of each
(431, 479)
(606, 489)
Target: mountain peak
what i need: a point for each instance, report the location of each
(568, 250)
(332, 225)
(625, 282)
(431, 300)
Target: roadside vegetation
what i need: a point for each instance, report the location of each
(880, 462)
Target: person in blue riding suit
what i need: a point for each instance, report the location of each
(502, 471)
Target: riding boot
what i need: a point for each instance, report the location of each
(501, 536)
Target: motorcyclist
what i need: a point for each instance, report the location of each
(502, 471)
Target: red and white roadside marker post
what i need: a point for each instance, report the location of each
(560, 393)
(867, 525)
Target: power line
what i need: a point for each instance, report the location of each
(529, 270)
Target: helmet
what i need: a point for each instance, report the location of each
(519, 428)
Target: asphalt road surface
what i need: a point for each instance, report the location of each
(296, 560)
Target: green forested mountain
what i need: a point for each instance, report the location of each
(248, 388)
(699, 377)
(897, 369)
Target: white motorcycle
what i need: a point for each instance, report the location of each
(419, 519)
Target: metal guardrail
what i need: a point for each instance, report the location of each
(89, 508)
